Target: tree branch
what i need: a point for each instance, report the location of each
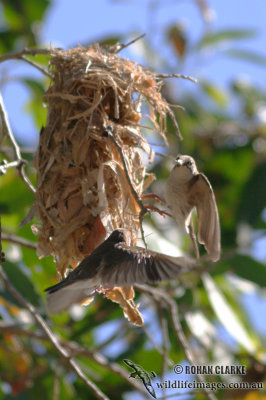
(36, 65)
(18, 240)
(155, 345)
(166, 344)
(6, 165)
(26, 150)
(165, 76)
(161, 296)
(121, 47)
(26, 52)
(75, 350)
(64, 353)
(7, 131)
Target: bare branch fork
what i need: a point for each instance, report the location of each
(66, 350)
(75, 350)
(22, 55)
(24, 52)
(63, 352)
(19, 163)
(160, 297)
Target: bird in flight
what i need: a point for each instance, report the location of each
(186, 189)
(114, 263)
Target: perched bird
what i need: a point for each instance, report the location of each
(186, 189)
(143, 375)
(114, 263)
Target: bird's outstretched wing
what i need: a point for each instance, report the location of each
(130, 265)
(111, 264)
(202, 197)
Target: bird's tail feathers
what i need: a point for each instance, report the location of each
(75, 293)
(56, 287)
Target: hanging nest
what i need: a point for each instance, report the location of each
(83, 191)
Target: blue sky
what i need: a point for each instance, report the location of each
(67, 23)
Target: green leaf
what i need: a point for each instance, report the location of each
(34, 10)
(253, 197)
(247, 55)
(24, 13)
(21, 282)
(40, 59)
(215, 93)
(35, 86)
(7, 40)
(247, 268)
(20, 17)
(225, 35)
(110, 40)
(226, 315)
(17, 203)
(12, 14)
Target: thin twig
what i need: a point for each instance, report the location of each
(155, 345)
(18, 240)
(17, 329)
(7, 130)
(75, 350)
(26, 150)
(166, 344)
(121, 47)
(161, 295)
(172, 115)
(52, 338)
(6, 166)
(143, 210)
(26, 52)
(174, 314)
(56, 385)
(2, 255)
(115, 335)
(38, 66)
(111, 366)
(165, 76)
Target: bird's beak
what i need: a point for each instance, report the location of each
(178, 163)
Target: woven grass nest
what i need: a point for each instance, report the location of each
(83, 192)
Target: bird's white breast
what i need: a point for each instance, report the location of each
(176, 195)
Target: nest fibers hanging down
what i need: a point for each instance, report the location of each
(83, 191)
